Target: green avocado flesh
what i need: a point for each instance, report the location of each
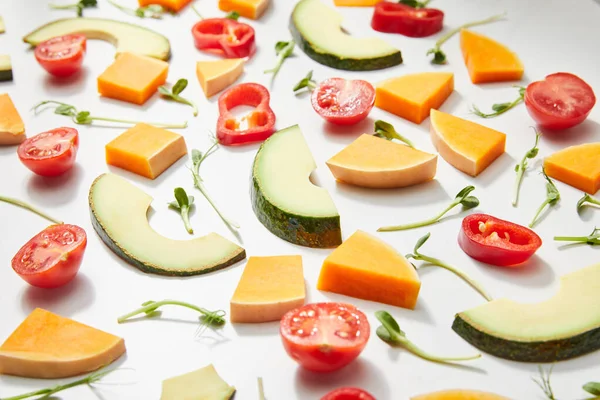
(283, 197)
(563, 327)
(202, 384)
(118, 211)
(126, 37)
(317, 29)
(6, 73)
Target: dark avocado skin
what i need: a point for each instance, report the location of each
(306, 231)
(149, 267)
(334, 61)
(535, 352)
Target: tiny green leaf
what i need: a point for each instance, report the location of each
(592, 388)
(421, 242)
(464, 193)
(283, 50)
(183, 204)
(470, 202)
(500, 108)
(389, 323)
(234, 15)
(414, 3)
(179, 86)
(181, 197)
(386, 131)
(552, 198)
(174, 92)
(306, 82)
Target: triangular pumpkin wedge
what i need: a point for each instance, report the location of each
(459, 394)
(373, 162)
(367, 268)
(413, 96)
(467, 146)
(47, 345)
(488, 60)
(578, 166)
(217, 75)
(12, 129)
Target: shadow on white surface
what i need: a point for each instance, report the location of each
(263, 329)
(139, 180)
(60, 300)
(588, 212)
(495, 170)
(587, 131)
(53, 191)
(360, 373)
(68, 85)
(451, 104)
(535, 273)
(395, 353)
(425, 193)
(346, 134)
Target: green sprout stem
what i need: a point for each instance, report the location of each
(197, 12)
(544, 382)
(261, 389)
(386, 131)
(501, 108)
(591, 239)
(150, 307)
(552, 197)
(153, 10)
(48, 392)
(22, 204)
(522, 167)
(284, 50)
(585, 200)
(127, 121)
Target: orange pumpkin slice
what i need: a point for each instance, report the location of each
(467, 146)
(488, 60)
(578, 166)
(373, 162)
(47, 345)
(459, 394)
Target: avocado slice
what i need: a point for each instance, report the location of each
(6, 73)
(202, 384)
(563, 327)
(317, 29)
(118, 210)
(283, 197)
(126, 37)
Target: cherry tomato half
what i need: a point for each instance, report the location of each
(52, 257)
(348, 393)
(495, 241)
(324, 337)
(405, 20)
(61, 55)
(343, 102)
(50, 153)
(560, 101)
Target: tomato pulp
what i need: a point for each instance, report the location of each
(324, 337)
(560, 101)
(343, 102)
(495, 241)
(52, 257)
(230, 38)
(61, 55)
(348, 393)
(405, 20)
(50, 153)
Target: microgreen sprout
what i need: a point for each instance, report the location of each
(500, 108)
(79, 6)
(390, 332)
(261, 389)
(183, 203)
(385, 130)
(592, 239)
(462, 198)
(283, 51)
(434, 261)
(439, 57)
(544, 382)
(85, 117)
(22, 204)
(197, 159)
(174, 94)
(150, 11)
(552, 198)
(150, 309)
(234, 15)
(592, 388)
(415, 3)
(306, 82)
(522, 167)
(587, 200)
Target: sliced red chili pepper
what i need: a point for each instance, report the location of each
(254, 127)
(495, 241)
(408, 21)
(230, 38)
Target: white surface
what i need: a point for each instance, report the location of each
(548, 37)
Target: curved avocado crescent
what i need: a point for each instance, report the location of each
(562, 327)
(125, 37)
(119, 215)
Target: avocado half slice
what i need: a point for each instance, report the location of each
(283, 197)
(317, 29)
(118, 210)
(563, 327)
(125, 37)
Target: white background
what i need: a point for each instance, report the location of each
(549, 36)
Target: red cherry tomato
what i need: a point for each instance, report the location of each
(50, 153)
(343, 102)
(62, 55)
(52, 257)
(405, 20)
(560, 101)
(495, 241)
(348, 393)
(324, 337)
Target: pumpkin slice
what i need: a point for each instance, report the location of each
(488, 60)
(413, 96)
(49, 346)
(216, 75)
(373, 162)
(367, 268)
(467, 146)
(459, 394)
(171, 5)
(12, 129)
(578, 166)
(252, 9)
